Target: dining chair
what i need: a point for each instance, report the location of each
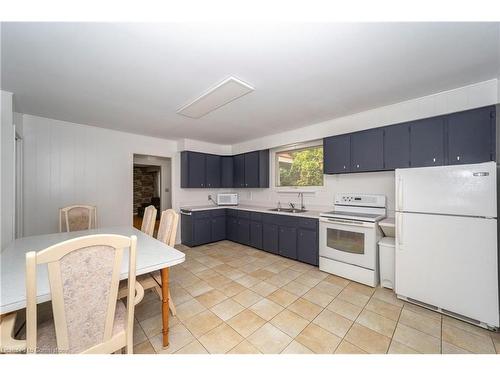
(77, 217)
(167, 233)
(149, 220)
(84, 275)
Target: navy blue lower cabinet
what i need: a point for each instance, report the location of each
(243, 231)
(289, 236)
(232, 228)
(307, 246)
(187, 229)
(288, 242)
(218, 228)
(270, 237)
(202, 230)
(256, 234)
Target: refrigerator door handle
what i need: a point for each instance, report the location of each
(399, 232)
(400, 194)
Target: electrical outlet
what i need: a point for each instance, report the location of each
(209, 197)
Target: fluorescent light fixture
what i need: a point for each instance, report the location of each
(225, 92)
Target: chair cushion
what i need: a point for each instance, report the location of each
(46, 333)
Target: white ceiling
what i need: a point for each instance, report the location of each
(134, 77)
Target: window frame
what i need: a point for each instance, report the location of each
(275, 168)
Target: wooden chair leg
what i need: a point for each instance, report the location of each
(157, 289)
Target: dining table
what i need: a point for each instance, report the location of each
(151, 255)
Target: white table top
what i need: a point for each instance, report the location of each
(152, 255)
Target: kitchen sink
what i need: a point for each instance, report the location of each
(288, 210)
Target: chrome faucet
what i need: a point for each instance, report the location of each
(301, 196)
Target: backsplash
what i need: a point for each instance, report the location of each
(322, 198)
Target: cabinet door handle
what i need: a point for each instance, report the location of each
(344, 166)
(357, 165)
(458, 157)
(433, 160)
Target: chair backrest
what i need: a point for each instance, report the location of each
(84, 275)
(168, 227)
(149, 220)
(77, 217)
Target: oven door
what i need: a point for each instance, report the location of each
(348, 241)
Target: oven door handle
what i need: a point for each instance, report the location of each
(342, 221)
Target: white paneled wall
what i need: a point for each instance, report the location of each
(66, 163)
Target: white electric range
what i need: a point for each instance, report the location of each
(348, 237)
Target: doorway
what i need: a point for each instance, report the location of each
(152, 179)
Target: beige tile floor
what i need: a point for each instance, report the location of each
(235, 299)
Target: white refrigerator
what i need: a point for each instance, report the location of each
(446, 239)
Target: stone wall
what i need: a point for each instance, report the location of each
(145, 180)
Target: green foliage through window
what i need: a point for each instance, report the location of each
(302, 167)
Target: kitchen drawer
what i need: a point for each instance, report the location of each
(270, 218)
(243, 214)
(256, 216)
(218, 212)
(201, 214)
(231, 212)
(286, 220)
(308, 223)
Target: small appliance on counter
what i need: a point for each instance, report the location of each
(227, 199)
(348, 237)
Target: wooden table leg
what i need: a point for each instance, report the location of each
(164, 305)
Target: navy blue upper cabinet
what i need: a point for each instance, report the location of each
(367, 150)
(471, 136)
(200, 170)
(252, 169)
(457, 138)
(427, 142)
(397, 146)
(193, 169)
(239, 171)
(213, 171)
(337, 154)
(227, 172)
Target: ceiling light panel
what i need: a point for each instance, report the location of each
(225, 92)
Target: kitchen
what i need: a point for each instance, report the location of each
(314, 206)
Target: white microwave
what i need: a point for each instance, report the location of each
(227, 199)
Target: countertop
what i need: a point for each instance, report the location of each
(388, 221)
(310, 214)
